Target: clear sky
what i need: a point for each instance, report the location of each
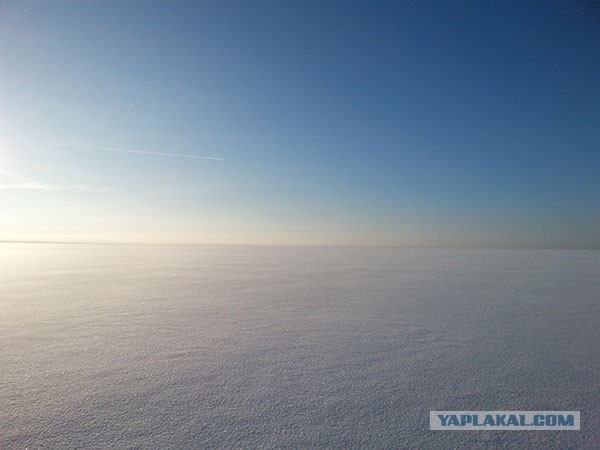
(405, 123)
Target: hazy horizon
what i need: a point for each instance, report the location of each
(201, 244)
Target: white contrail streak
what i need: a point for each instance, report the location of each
(36, 186)
(144, 152)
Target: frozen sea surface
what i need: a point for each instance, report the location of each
(131, 347)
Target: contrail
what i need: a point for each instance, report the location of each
(144, 152)
(37, 186)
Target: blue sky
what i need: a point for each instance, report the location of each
(418, 123)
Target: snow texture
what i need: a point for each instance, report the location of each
(136, 347)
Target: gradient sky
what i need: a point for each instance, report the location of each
(435, 123)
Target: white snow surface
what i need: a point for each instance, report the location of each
(148, 347)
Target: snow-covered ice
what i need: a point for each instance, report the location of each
(245, 347)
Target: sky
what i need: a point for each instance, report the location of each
(402, 123)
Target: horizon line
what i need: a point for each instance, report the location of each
(196, 244)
